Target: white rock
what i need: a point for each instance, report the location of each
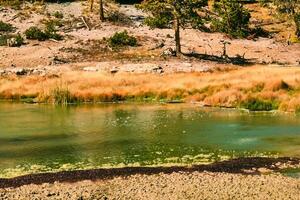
(90, 69)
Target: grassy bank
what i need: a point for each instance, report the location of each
(255, 88)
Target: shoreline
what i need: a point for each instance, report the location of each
(249, 88)
(197, 103)
(243, 166)
(197, 182)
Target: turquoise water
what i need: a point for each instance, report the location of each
(42, 138)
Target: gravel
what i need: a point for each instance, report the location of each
(177, 185)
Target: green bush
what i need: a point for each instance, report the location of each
(34, 33)
(17, 40)
(51, 31)
(122, 39)
(3, 39)
(259, 105)
(5, 27)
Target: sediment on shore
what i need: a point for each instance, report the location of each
(176, 185)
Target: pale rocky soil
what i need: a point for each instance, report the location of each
(196, 185)
(68, 54)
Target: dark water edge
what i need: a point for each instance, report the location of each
(236, 166)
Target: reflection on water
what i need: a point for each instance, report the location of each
(38, 138)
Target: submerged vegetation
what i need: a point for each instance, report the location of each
(259, 105)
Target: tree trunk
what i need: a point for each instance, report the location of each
(101, 10)
(91, 5)
(297, 23)
(177, 36)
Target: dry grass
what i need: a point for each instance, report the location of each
(273, 85)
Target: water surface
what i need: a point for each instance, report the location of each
(42, 138)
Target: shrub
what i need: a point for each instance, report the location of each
(122, 39)
(5, 27)
(3, 39)
(51, 31)
(15, 40)
(34, 33)
(259, 105)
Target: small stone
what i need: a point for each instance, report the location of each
(90, 69)
(114, 70)
(263, 170)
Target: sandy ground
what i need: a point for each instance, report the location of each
(196, 185)
(35, 54)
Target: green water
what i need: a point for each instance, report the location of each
(42, 138)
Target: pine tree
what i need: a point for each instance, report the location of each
(232, 19)
(292, 8)
(181, 12)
